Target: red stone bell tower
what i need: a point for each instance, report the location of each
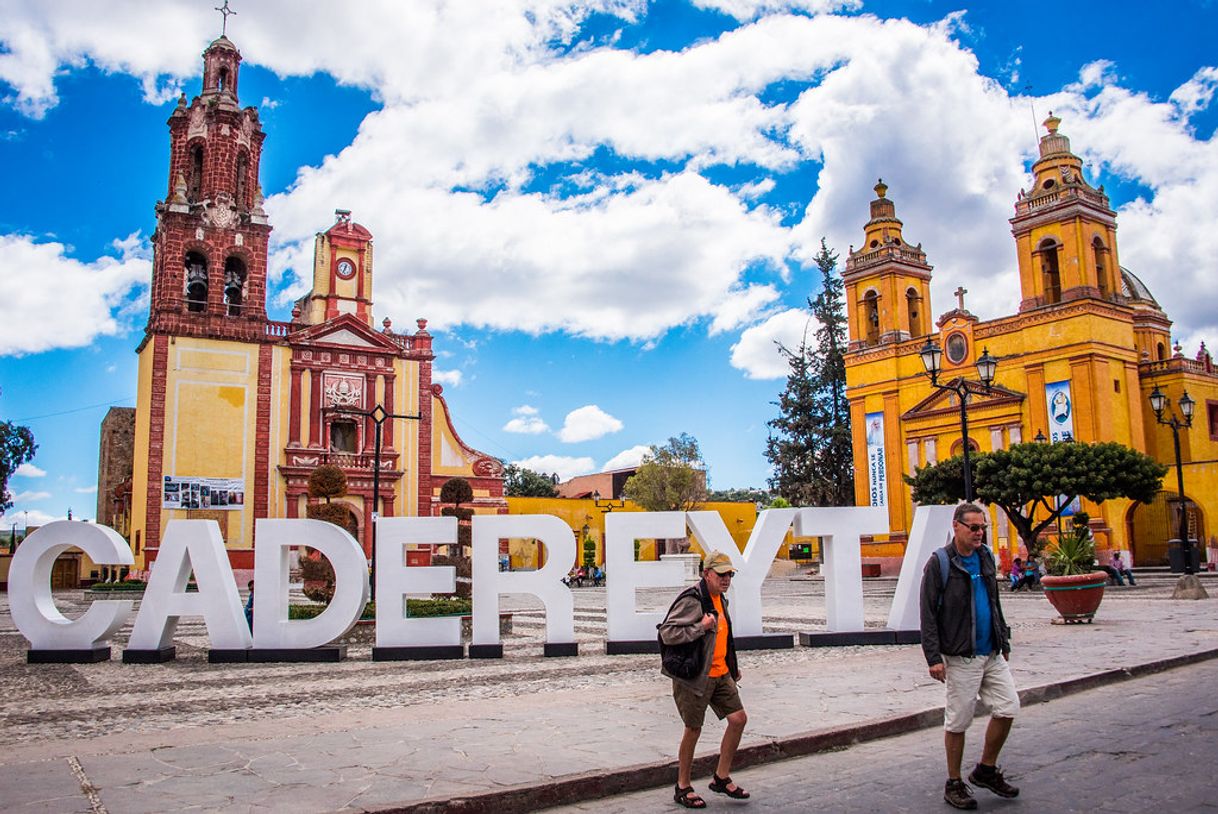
(210, 245)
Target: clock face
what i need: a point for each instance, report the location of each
(346, 269)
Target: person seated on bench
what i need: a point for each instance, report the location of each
(1016, 573)
(1121, 569)
(1031, 575)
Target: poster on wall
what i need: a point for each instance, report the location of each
(877, 474)
(203, 493)
(1061, 410)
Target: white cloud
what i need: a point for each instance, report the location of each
(526, 421)
(450, 377)
(627, 458)
(32, 517)
(28, 470)
(641, 252)
(85, 490)
(55, 301)
(757, 352)
(566, 467)
(587, 423)
(27, 497)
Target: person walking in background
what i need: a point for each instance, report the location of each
(966, 642)
(699, 614)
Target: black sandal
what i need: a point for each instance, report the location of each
(687, 797)
(720, 786)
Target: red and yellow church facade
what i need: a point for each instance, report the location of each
(1086, 346)
(234, 410)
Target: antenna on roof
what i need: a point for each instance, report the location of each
(1031, 106)
(224, 10)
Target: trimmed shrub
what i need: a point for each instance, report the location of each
(456, 491)
(326, 482)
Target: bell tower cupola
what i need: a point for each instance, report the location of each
(342, 273)
(1065, 230)
(887, 281)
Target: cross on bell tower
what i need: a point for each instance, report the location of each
(960, 292)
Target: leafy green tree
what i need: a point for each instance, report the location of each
(1026, 480)
(519, 481)
(16, 447)
(810, 447)
(672, 477)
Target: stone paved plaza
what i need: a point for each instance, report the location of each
(363, 735)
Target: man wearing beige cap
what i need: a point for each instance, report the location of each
(699, 614)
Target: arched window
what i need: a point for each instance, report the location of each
(342, 435)
(1050, 274)
(234, 285)
(871, 317)
(194, 186)
(913, 302)
(222, 84)
(196, 282)
(243, 168)
(1160, 351)
(1100, 251)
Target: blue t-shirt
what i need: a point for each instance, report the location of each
(984, 626)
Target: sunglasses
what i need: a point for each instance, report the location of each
(974, 527)
(726, 575)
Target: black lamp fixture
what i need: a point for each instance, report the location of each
(1161, 404)
(987, 366)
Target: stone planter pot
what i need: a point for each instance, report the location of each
(1075, 597)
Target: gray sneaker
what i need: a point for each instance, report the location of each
(990, 777)
(957, 794)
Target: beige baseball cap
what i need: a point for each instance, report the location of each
(718, 562)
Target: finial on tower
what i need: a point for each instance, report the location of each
(225, 11)
(1052, 123)
(881, 189)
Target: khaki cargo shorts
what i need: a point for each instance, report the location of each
(971, 676)
(720, 695)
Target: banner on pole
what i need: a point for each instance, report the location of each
(877, 473)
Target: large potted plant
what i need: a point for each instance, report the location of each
(1072, 585)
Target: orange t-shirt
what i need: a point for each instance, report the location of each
(719, 660)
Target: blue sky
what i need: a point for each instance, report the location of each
(607, 209)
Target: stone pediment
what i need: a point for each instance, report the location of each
(941, 401)
(345, 330)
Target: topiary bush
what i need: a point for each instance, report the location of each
(327, 482)
(456, 491)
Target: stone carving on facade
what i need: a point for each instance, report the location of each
(488, 468)
(198, 124)
(344, 391)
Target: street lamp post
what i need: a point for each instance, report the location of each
(608, 505)
(378, 415)
(932, 357)
(1161, 404)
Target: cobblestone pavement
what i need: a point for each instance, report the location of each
(1145, 744)
(361, 735)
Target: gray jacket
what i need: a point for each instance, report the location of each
(948, 627)
(684, 624)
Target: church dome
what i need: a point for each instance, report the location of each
(221, 42)
(1135, 290)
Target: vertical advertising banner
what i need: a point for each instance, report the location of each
(877, 474)
(1061, 425)
(1061, 410)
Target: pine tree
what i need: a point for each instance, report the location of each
(810, 448)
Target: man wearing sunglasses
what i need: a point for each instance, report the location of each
(700, 613)
(967, 643)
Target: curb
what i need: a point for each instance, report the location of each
(598, 784)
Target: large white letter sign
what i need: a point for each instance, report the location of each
(272, 628)
(627, 631)
(29, 585)
(394, 581)
(188, 545)
(751, 567)
(840, 529)
(932, 526)
(545, 583)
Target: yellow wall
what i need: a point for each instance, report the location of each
(578, 512)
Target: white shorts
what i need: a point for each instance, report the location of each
(971, 676)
